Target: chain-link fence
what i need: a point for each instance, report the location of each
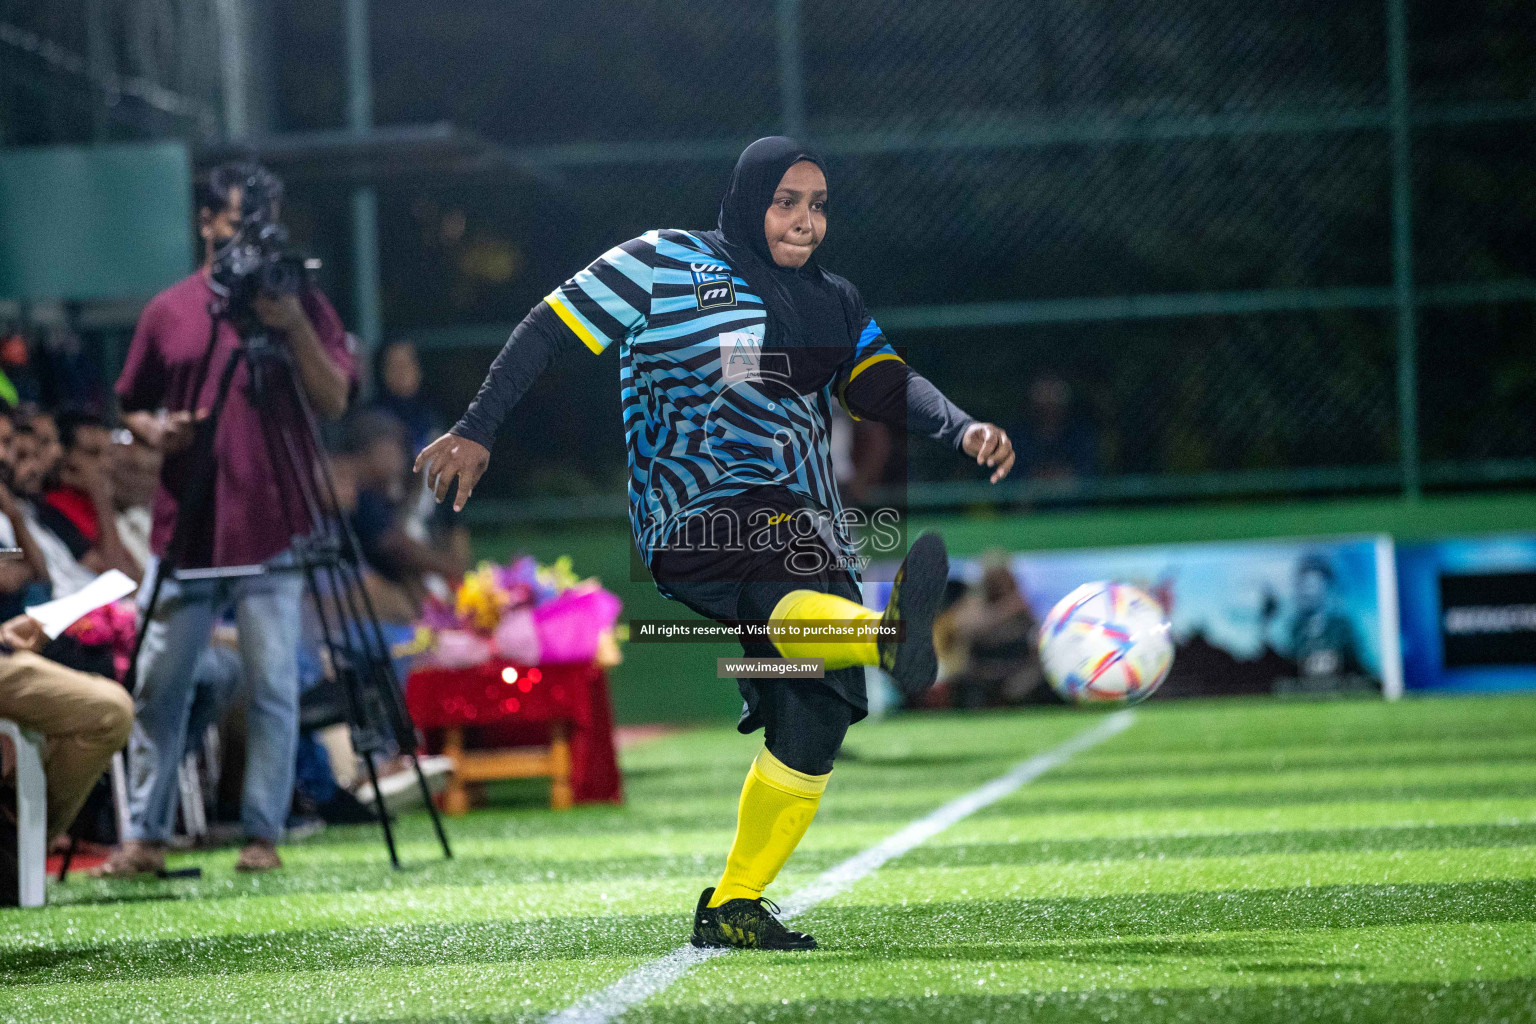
(102, 70)
(1179, 249)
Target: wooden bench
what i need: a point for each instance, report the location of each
(552, 762)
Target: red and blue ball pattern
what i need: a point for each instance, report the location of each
(1106, 642)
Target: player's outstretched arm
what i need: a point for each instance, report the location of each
(463, 453)
(886, 389)
(451, 458)
(567, 321)
(991, 446)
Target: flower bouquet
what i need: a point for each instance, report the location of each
(524, 612)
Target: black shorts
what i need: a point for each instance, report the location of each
(747, 583)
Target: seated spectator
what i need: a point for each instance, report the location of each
(399, 394)
(79, 507)
(398, 384)
(371, 462)
(34, 464)
(70, 564)
(861, 454)
(42, 425)
(84, 719)
(390, 600)
(17, 575)
(994, 659)
(135, 477)
(1054, 442)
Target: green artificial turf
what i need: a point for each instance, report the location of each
(1223, 861)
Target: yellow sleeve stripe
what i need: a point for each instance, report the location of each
(870, 361)
(842, 400)
(860, 368)
(567, 314)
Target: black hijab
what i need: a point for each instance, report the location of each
(807, 306)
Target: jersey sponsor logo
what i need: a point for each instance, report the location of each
(712, 285)
(715, 294)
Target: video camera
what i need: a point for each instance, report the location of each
(259, 257)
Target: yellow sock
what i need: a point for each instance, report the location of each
(812, 605)
(777, 805)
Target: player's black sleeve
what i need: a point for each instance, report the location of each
(891, 392)
(534, 342)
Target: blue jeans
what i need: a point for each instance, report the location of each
(267, 614)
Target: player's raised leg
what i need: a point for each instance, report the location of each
(915, 597)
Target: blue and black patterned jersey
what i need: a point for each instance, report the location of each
(707, 412)
(710, 410)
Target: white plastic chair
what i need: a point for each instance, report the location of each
(31, 814)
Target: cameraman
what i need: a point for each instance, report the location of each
(167, 387)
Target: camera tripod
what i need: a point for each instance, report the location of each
(325, 549)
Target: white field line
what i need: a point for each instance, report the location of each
(657, 975)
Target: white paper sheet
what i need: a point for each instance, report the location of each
(57, 616)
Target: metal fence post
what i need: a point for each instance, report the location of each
(791, 69)
(98, 49)
(1400, 128)
(365, 202)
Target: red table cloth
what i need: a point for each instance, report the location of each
(502, 704)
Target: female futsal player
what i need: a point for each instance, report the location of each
(733, 343)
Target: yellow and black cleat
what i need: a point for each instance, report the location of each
(915, 596)
(743, 924)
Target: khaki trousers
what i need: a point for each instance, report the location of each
(83, 718)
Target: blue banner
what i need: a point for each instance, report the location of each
(1306, 616)
(1469, 613)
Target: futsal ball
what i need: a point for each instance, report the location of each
(1106, 642)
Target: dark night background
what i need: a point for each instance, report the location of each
(1087, 212)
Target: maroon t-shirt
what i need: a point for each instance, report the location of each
(252, 520)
